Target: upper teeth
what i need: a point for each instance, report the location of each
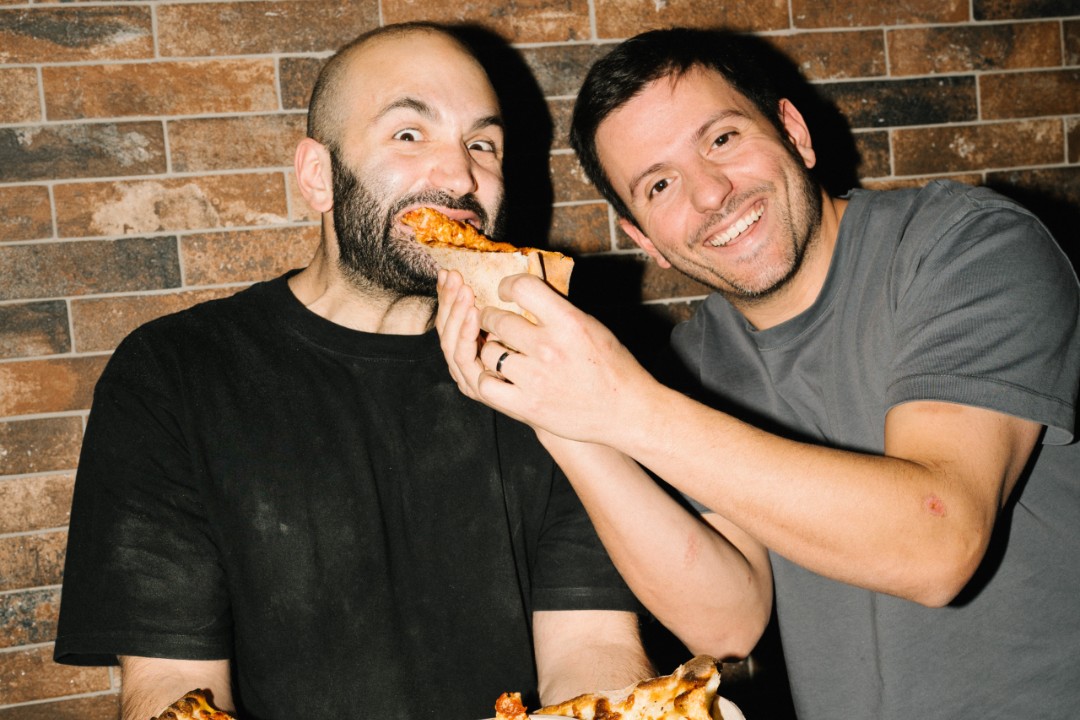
(738, 228)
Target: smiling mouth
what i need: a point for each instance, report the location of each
(738, 227)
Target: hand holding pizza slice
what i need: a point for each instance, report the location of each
(483, 263)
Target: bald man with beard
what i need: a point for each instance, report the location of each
(282, 496)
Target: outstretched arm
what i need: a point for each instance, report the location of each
(723, 574)
(914, 522)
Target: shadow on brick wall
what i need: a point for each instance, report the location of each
(529, 134)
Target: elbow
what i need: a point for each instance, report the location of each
(734, 640)
(949, 572)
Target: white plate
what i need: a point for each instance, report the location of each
(724, 709)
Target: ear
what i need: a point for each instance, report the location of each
(643, 242)
(797, 132)
(313, 175)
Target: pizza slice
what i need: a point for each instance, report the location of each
(689, 693)
(457, 245)
(195, 705)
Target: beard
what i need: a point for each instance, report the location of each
(372, 253)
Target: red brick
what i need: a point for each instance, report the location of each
(624, 18)
(96, 707)
(561, 111)
(93, 266)
(560, 69)
(923, 51)
(251, 141)
(31, 674)
(246, 256)
(101, 323)
(925, 151)
(581, 229)
(525, 21)
(888, 103)
(874, 154)
(19, 101)
(190, 203)
(1030, 94)
(44, 386)
(835, 55)
(569, 181)
(1022, 9)
(297, 79)
(29, 561)
(1071, 29)
(40, 35)
(35, 503)
(1072, 129)
(27, 213)
(260, 28)
(859, 13)
(81, 151)
(194, 88)
(43, 445)
(36, 328)
(916, 182)
(28, 618)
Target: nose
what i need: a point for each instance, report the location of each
(709, 187)
(453, 170)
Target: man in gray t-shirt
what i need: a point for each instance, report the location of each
(881, 428)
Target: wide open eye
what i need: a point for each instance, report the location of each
(482, 146)
(408, 135)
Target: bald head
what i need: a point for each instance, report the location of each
(327, 111)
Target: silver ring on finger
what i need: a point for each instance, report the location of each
(501, 360)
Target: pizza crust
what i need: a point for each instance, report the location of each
(194, 705)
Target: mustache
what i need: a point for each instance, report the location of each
(467, 202)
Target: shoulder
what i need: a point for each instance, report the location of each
(944, 210)
(183, 338)
(948, 227)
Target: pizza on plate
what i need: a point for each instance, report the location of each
(195, 705)
(689, 693)
(457, 245)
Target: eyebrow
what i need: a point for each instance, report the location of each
(427, 111)
(700, 133)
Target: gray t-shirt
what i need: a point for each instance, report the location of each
(943, 293)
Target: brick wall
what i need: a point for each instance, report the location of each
(145, 165)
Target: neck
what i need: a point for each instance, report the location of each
(804, 287)
(327, 292)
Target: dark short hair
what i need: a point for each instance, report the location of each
(620, 75)
(324, 118)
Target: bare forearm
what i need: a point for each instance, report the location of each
(583, 651)
(913, 529)
(724, 591)
(152, 684)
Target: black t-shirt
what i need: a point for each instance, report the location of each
(324, 507)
